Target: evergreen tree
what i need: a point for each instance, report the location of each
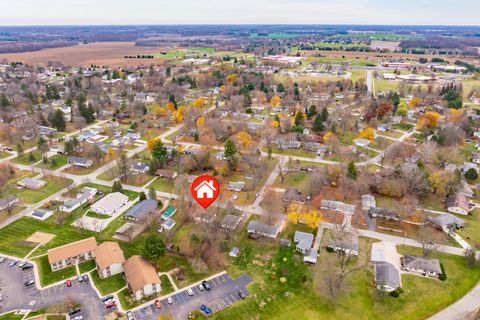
(117, 186)
(318, 123)
(298, 119)
(153, 248)
(19, 150)
(311, 111)
(471, 174)
(58, 121)
(280, 87)
(352, 170)
(42, 144)
(154, 166)
(152, 194)
(230, 150)
(142, 196)
(159, 152)
(324, 114)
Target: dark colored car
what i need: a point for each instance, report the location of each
(27, 267)
(241, 294)
(206, 285)
(85, 278)
(29, 283)
(74, 311)
(107, 298)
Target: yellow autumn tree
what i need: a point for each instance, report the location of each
(414, 102)
(298, 214)
(110, 153)
(428, 120)
(275, 101)
(455, 115)
(327, 136)
(199, 102)
(231, 78)
(244, 138)
(200, 122)
(367, 133)
(274, 123)
(159, 111)
(170, 106)
(151, 142)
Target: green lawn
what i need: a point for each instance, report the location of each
(385, 85)
(110, 284)
(167, 286)
(432, 202)
(128, 302)
(54, 162)
(403, 126)
(11, 316)
(97, 215)
(54, 184)
(470, 232)
(163, 185)
(47, 276)
(392, 134)
(132, 179)
(4, 154)
(25, 159)
(368, 152)
(87, 266)
(357, 75)
(292, 152)
(293, 179)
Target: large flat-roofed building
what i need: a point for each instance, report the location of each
(31, 183)
(110, 203)
(71, 253)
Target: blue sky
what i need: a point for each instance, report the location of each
(53, 12)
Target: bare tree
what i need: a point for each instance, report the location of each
(429, 239)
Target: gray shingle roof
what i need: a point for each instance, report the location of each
(303, 240)
(386, 274)
(447, 219)
(140, 209)
(421, 263)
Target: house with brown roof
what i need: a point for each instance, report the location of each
(72, 253)
(457, 203)
(109, 259)
(167, 174)
(142, 279)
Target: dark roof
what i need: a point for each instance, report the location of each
(78, 160)
(259, 227)
(446, 219)
(140, 209)
(293, 195)
(230, 221)
(458, 200)
(384, 213)
(421, 263)
(386, 274)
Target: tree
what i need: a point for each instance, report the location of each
(275, 101)
(42, 144)
(58, 120)
(429, 239)
(471, 174)
(159, 152)
(142, 196)
(311, 111)
(152, 194)
(122, 166)
(428, 120)
(367, 133)
(230, 150)
(199, 102)
(324, 114)
(19, 150)
(298, 118)
(352, 170)
(244, 138)
(318, 123)
(153, 248)
(117, 186)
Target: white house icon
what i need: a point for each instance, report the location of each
(205, 189)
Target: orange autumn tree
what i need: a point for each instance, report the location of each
(414, 102)
(428, 120)
(199, 102)
(454, 115)
(367, 133)
(327, 136)
(231, 78)
(275, 101)
(200, 122)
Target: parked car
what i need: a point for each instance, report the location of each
(80, 278)
(190, 292)
(206, 285)
(2, 259)
(22, 264)
(130, 315)
(12, 264)
(28, 266)
(78, 318)
(200, 287)
(29, 283)
(86, 278)
(110, 305)
(170, 300)
(1, 297)
(206, 309)
(158, 304)
(68, 283)
(108, 298)
(241, 294)
(74, 311)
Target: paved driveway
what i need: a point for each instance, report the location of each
(224, 292)
(16, 296)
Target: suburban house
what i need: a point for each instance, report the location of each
(445, 220)
(288, 144)
(348, 244)
(109, 259)
(293, 195)
(337, 206)
(8, 202)
(205, 189)
(110, 203)
(168, 224)
(303, 241)
(80, 162)
(141, 277)
(361, 142)
(42, 214)
(230, 222)
(457, 203)
(234, 252)
(167, 174)
(139, 167)
(387, 277)
(476, 158)
(383, 213)
(72, 253)
(422, 265)
(31, 183)
(85, 195)
(141, 210)
(256, 229)
(236, 186)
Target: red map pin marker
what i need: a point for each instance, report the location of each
(205, 189)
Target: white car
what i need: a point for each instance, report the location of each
(22, 264)
(170, 300)
(2, 259)
(190, 292)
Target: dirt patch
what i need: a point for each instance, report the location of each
(102, 53)
(40, 237)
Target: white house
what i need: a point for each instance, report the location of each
(110, 203)
(361, 142)
(457, 203)
(205, 189)
(85, 195)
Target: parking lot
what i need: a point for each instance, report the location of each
(223, 293)
(15, 295)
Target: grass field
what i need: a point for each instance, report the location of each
(163, 185)
(391, 133)
(110, 284)
(470, 231)
(292, 152)
(12, 316)
(25, 158)
(357, 75)
(385, 85)
(47, 276)
(132, 179)
(4, 154)
(54, 184)
(54, 162)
